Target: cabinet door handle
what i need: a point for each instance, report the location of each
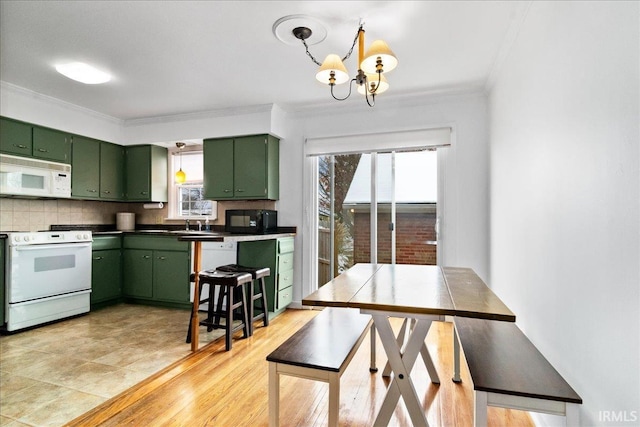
(107, 192)
(162, 258)
(92, 191)
(144, 193)
(227, 191)
(42, 150)
(240, 190)
(19, 146)
(97, 258)
(146, 257)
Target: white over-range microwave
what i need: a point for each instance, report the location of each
(21, 176)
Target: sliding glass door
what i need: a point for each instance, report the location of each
(376, 207)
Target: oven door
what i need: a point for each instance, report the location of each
(38, 271)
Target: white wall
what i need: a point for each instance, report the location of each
(564, 197)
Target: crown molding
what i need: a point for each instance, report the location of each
(55, 102)
(388, 102)
(199, 115)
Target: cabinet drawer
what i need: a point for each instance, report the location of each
(155, 242)
(285, 279)
(285, 262)
(285, 245)
(285, 297)
(105, 242)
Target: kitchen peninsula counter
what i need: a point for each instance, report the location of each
(198, 238)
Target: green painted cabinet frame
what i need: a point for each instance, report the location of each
(98, 169)
(85, 167)
(277, 255)
(156, 269)
(51, 144)
(24, 139)
(111, 171)
(146, 173)
(16, 137)
(106, 270)
(3, 281)
(242, 168)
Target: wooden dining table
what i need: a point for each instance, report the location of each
(421, 293)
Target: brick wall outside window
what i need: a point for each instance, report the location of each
(413, 231)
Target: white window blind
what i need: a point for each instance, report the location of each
(378, 142)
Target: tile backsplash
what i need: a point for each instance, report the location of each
(38, 215)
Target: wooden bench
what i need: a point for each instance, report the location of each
(321, 350)
(508, 371)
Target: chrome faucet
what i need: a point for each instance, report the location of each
(186, 226)
(199, 225)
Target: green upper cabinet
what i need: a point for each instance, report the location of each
(111, 171)
(50, 144)
(218, 169)
(242, 168)
(25, 139)
(15, 137)
(97, 169)
(146, 173)
(85, 167)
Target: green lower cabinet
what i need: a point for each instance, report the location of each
(106, 276)
(138, 273)
(2, 281)
(106, 271)
(170, 277)
(277, 254)
(156, 270)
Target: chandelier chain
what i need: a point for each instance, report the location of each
(309, 53)
(355, 40)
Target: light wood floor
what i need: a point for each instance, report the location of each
(215, 387)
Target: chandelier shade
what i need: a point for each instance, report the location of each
(379, 51)
(375, 85)
(332, 64)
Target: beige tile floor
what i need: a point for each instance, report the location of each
(54, 373)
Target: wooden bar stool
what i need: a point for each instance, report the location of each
(226, 284)
(256, 299)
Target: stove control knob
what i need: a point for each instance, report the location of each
(26, 238)
(79, 236)
(16, 238)
(85, 236)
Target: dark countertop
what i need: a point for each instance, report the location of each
(217, 234)
(230, 237)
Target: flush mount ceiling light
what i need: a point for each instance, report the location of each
(372, 65)
(180, 177)
(83, 73)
